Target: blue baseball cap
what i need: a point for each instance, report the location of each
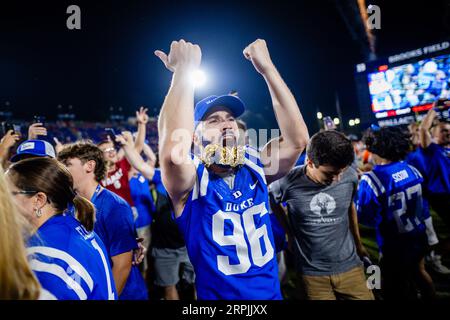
(232, 103)
(37, 148)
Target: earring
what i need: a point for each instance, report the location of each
(38, 213)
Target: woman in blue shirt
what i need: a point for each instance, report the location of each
(69, 260)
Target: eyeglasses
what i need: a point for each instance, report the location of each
(109, 150)
(15, 193)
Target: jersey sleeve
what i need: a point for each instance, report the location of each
(367, 204)
(60, 275)
(121, 233)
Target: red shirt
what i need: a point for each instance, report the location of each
(117, 181)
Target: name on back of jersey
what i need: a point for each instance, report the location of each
(399, 176)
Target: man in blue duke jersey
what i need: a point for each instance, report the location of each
(220, 196)
(390, 199)
(114, 219)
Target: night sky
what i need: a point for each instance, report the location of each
(110, 61)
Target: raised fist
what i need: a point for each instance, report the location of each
(182, 55)
(258, 54)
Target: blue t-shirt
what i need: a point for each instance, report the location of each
(114, 225)
(142, 199)
(229, 236)
(390, 199)
(433, 163)
(69, 262)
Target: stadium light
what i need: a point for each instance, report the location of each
(336, 121)
(351, 123)
(198, 77)
(357, 121)
(319, 115)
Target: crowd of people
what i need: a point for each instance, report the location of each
(190, 210)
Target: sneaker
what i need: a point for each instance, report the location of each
(434, 262)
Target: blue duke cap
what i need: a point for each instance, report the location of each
(231, 102)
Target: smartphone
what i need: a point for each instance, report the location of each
(112, 136)
(17, 129)
(328, 123)
(6, 127)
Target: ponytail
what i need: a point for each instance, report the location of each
(84, 212)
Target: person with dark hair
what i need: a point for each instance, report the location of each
(390, 199)
(68, 259)
(114, 219)
(322, 219)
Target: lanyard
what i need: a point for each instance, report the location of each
(96, 193)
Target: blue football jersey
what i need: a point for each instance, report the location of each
(142, 199)
(228, 234)
(69, 262)
(390, 199)
(114, 225)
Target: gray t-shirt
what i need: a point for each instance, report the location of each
(319, 216)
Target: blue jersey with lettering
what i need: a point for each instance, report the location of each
(416, 159)
(69, 262)
(142, 199)
(434, 164)
(114, 225)
(390, 199)
(228, 234)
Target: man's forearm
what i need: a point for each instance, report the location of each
(140, 137)
(121, 270)
(177, 115)
(136, 161)
(149, 153)
(424, 129)
(291, 123)
(3, 152)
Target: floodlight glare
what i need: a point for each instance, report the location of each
(198, 77)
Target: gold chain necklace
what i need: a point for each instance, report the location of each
(228, 156)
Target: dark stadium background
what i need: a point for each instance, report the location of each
(109, 63)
